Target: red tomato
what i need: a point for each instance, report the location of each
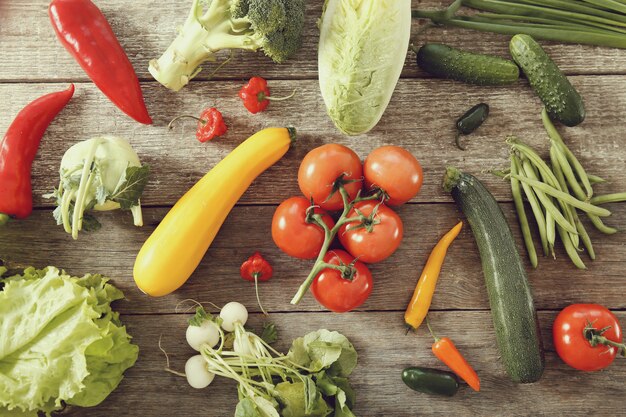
(394, 170)
(293, 234)
(378, 238)
(570, 337)
(321, 168)
(338, 293)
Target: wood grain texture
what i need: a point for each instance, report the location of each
(112, 250)
(420, 118)
(145, 28)
(384, 351)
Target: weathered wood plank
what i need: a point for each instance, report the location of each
(145, 28)
(112, 251)
(384, 351)
(420, 117)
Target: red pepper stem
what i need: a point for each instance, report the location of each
(185, 116)
(430, 330)
(4, 219)
(256, 276)
(262, 96)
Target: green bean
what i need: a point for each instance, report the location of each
(594, 179)
(580, 171)
(536, 160)
(535, 206)
(570, 249)
(599, 224)
(608, 198)
(568, 172)
(586, 207)
(545, 200)
(584, 236)
(550, 232)
(570, 212)
(521, 216)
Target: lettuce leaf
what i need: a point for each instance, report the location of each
(60, 341)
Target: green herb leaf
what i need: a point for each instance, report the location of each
(265, 407)
(298, 353)
(292, 398)
(129, 191)
(269, 334)
(200, 317)
(247, 408)
(344, 363)
(323, 354)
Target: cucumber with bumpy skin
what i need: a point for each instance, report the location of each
(444, 61)
(512, 308)
(561, 99)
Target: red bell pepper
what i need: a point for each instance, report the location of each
(18, 149)
(86, 34)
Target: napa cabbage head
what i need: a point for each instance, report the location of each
(362, 49)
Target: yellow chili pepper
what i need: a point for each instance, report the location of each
(423, 295)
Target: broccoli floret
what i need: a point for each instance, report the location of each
(275, 26)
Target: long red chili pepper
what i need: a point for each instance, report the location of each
(86, 34)
(18, 149)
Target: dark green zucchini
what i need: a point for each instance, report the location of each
(562, 101)
(512, 308)
(444, 61)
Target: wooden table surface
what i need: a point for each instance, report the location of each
(420, 118)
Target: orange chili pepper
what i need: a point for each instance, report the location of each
(446, 352)
(423, 295)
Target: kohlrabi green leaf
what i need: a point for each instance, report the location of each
(128, 192)
(61, 341)
(362, 49)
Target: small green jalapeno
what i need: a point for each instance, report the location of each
(471, 121)
(431, 381)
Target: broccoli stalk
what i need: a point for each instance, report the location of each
(272, 25)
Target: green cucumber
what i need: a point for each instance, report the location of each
(444, 61)
(562, 101)
(512, 308)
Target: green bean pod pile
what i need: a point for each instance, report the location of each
(556, 192)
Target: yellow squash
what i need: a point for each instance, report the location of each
(174, 250)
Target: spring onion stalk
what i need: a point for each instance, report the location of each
(597, 22)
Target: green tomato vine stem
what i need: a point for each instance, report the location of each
(329, 236)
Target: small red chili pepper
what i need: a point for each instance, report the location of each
(256, 95)
(210, 124)
(446, 352)
(256, 269)
(85, 32)
(18, 149)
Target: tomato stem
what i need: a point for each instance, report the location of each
(595, 338)
(329, 235)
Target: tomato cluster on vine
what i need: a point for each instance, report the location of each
(349, 199)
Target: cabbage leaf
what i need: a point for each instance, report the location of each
(60, 341)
